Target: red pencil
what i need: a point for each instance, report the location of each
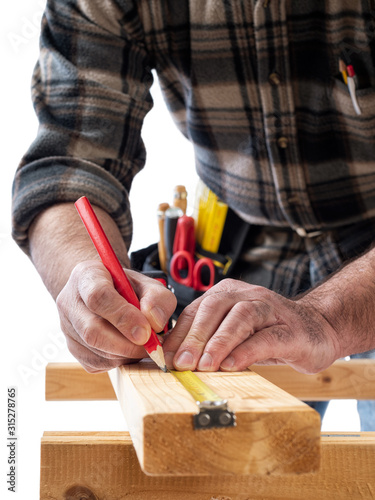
(120, 280)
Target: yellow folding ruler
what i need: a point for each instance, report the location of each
(213, 410)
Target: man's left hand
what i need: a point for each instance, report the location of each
(235, 325)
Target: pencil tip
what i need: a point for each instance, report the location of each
(158, 357)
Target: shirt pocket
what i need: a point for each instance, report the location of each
(344, 104)
(357, 131)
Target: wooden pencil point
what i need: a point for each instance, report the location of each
(158, 357)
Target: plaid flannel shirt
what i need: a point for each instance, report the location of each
(254, 85)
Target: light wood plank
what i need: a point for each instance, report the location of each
(99, 466)
(275, 432)
(70, 382)
(354, 379)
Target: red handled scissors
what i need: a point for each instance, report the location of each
(196, 270)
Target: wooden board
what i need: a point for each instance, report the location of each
(70, 382)
(354, 379)
(275, 432)
(104, 466)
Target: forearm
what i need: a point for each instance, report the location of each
(347, 302)
(59, 241)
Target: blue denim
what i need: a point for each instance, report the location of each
(366, 408)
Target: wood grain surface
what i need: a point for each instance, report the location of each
(104, 466)
(354, 379)
(275, 432)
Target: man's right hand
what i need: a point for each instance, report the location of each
(102, 329)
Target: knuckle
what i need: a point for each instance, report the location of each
(281, 334)
(262, 310)
(71, 347)
(261, 291)
(60, 301)
(85, 267)
(267, 339)
(242, 311)
(194, 340)
(124, 317)
(208, 305)
(235, 286)
(220, 343)
(230, 283)
(78, 269)
(227, 285)
(65, 325)
(82, 272)
(91, 332)
(97, 297)
(256, 310)
(98, 365)
(167, 298)
(188, 314)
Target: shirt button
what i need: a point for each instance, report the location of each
(282, 142)
(274, 79)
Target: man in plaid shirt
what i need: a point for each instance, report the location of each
(256, 87)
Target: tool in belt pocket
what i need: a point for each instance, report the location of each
(234, 234)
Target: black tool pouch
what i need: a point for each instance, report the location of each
(234, 234)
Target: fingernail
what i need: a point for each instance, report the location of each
(140, 335)
(228, 363)
(205, 362)
(168, 356)
(185, 361)
(158, 316)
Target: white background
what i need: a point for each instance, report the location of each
(29, 323)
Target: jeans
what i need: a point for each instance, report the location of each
(366, 408)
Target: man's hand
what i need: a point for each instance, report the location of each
(102, 329)
(235, 325)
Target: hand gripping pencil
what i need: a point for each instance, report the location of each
(114, 267)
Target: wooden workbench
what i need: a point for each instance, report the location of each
(105, 465)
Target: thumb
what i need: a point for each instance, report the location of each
(156, 301)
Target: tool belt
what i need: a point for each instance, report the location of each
(234, 235)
